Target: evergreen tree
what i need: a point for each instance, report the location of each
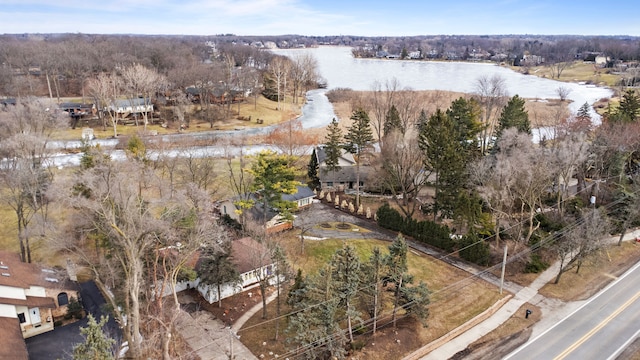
(514, 115)
(346, 276)
(422, 120)
(358, 139)
(465, 115)
(629, 108)
(444, 157)
(373, 274)
(333, 146)
(414, 300)
(583, 112)
(397, 271)
(392, 121)
(97, 345)
(312, 171)
(217, 268)
(274, 176)
(315, 322)
(297, 292)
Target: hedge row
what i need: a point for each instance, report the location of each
(426, 231)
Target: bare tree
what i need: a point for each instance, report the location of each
(25, 170)
(402, 165)
(134, 242)
(491, 93)
(379, 104)
(566, 154)
(279, 69)
(291, 139)
(106, 89)
(140, 81)
(563, 92)
(582, 241)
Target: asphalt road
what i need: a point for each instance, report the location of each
(59, 343)
(601, 329)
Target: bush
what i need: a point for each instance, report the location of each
(74, 309)
(475, 250)
(547, 223)
(535, 265)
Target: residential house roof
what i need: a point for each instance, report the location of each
(15, 273)
(303, 192)
(322, 156)
(248, 254)
(344, 174)
(14, 346)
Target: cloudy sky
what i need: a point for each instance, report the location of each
(321, 17)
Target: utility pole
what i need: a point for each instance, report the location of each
(504, 264)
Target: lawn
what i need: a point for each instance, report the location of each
(446, 283)
(578, 71)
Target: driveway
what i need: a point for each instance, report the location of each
(319, 213)
(58, 344)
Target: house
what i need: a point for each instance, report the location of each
(343, 178)
(303, 197)
(273, 220)
(33, 295)
(131, 107)
(252, 262)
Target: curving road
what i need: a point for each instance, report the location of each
(600, 329)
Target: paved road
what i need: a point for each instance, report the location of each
(600, 329)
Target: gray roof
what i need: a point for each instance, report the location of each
(303, 192)
(321, 155)
(345, 174)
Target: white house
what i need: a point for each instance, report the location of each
(253, 264)
(127, 107)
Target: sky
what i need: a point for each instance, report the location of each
(322, 17)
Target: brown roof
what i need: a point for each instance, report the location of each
(249, 254)
(31, 301)
(14, 346)
(15, 273)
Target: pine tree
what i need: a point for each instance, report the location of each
(397, 271)
(373, 274)
(514, 115)
(465, 115)
(332, 146)
(392, 121)
(274, 176)
(444, 155)
(583, 112)
(629, 108)
(217, 269)
(97, 345)
(312, 171)
(346, 275)
(358, 139)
